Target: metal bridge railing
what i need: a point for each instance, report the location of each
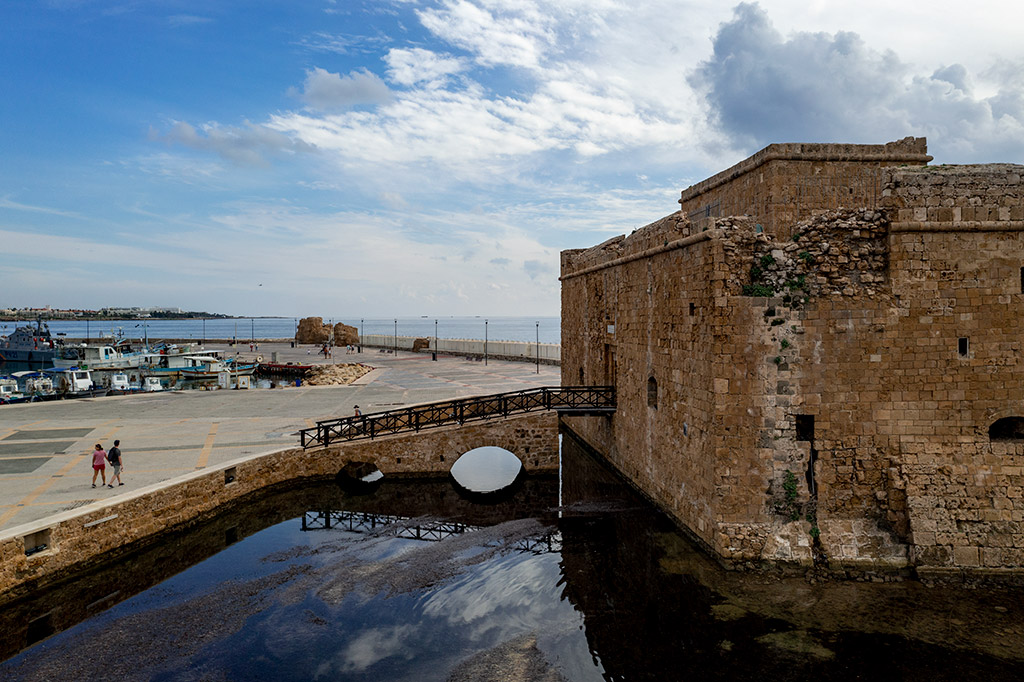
(568, 399)
(427, 530)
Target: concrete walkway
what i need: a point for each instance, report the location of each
(45, 448)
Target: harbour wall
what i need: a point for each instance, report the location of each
(550, 353)
(87, 536)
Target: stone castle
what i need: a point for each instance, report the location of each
(818, 359)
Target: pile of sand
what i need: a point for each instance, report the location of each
(335, 375)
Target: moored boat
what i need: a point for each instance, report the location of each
(31, 346)
(212, 370)
(75, 382)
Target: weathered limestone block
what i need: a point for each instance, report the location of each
(312, 330)
(345, 335)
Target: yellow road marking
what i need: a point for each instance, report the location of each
(44, 486)
(204, 456)
(11, 430)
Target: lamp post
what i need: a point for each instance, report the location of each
(485, 342)
(538, 347)
(252, 330)
(204, 331)
(396, 337)
(434, 358)
(361, 334)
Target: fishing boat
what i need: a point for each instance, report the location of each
(117, 356)
(170, 362)
(279, 369)
(75, 382)
(151, 384)
(32, 346)
(215, 367)
(9, 392)
(117, 382)
(35, 385)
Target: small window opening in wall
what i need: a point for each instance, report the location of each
(805, 427)
(693, 307)
(230, 475)
(652, 393)
(1007, 429)
(581, 377)
(37, 542)
(805, 432)
(1022, 280)
(962, 346)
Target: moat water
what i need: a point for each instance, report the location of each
(574, 578)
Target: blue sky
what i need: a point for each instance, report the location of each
(408, 157)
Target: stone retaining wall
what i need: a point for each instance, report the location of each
(78, 538)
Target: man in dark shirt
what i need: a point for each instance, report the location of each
(114, 457)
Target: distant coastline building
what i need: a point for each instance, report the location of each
(818, 359)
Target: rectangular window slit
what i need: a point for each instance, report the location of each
(962, 346)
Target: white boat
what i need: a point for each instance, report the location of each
(151, 384)
(174, 360)
(75, 382)
(9, 391)
(98, 356)
(35, 385)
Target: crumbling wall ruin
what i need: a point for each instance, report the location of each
(313, 330)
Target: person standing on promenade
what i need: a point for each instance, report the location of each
(114, 457)
(99, 465)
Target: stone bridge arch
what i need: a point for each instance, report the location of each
(533, 438)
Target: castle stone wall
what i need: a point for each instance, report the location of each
(785, 183)
(824, 397)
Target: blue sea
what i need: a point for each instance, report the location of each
(494, 328)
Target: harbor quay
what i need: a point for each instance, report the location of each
(45, 448)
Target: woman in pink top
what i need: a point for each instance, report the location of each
(99, 465)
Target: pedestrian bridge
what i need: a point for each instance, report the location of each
(569, 400)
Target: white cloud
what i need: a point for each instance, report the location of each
(493, 34)
(5, 202)
(416, 65)
(325, 90)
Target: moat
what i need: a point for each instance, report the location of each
(564, 578)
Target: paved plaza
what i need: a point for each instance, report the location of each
(45, 448)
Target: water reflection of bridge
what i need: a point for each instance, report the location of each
(427, 530)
